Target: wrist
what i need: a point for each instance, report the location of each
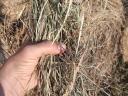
(9, 82)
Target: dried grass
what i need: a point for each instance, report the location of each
(92, 31)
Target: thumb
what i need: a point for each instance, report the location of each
(43, 48)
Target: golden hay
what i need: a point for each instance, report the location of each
(92, 31)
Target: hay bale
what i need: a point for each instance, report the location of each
(92, 31)
(14, 9)
(13, 25)
(125, 36)
(125, 45)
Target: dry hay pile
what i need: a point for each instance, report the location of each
(92, 31)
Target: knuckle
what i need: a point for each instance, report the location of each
(27, 49)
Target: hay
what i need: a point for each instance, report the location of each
(92, 31)
(125, 36)
(13, 25)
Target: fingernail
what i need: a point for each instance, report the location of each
(62, 48)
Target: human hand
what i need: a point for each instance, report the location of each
(17, 75)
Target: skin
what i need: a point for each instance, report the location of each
(17, 76)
